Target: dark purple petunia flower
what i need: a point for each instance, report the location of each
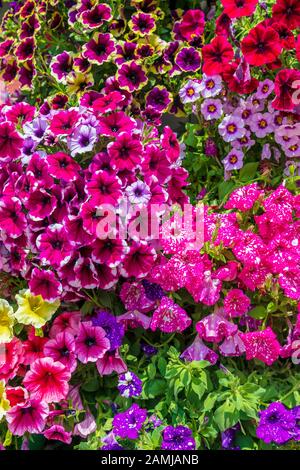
(188, 59)
(158, 98)
(25, 49)
(95, 17)
(99, 48)
(62, 65)
(131, 76)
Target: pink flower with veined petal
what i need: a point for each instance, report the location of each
(91, 343)
(261, 345)
(215, 327)
(232, 346)
(47, 380)
(66, 322)
(29, 417)
(125, 152)
(11, 357)
(62, 349)
(111, 362)
(169, 317)
(198, 351)
(236, 303)
(58, 433)
(134, 319)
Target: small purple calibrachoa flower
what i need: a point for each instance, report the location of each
(178, 438)
(128, 424)
(129, 385)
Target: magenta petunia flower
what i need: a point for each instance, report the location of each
(25, 50)
(143, 24)
(40, 204)
(125, 152)
(45, 283)
(91, 343)
(28, 417)
(169, 317)
(62, 349)
(111, 362)
(159, 98)
(95, 17)
(215, 327)
(58, 433)
(99, 49)
(104, 188)
(138, 261)
(236, 303)
(115, 123)
(63, 122)
(261, 345)
(20, 113)
(47, 380)
(12, 219)
(131, 76)
(198, 351)
(109, 251)
(10, 142)
(61, 66)
(62, 166)
(54, 246)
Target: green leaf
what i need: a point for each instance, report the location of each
(258, 312)
(248, 171)
(225, 188)
(226, 415)
(91, 386)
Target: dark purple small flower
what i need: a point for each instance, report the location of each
(131, 76)
(143, 24)
(158, 98)
(148, 350)
(99, 48)
(210, 148)
(62, 65)
(129, 385)
(178, 438)
(188, 59)
(114, 330)
(110, 443)
(25, 49)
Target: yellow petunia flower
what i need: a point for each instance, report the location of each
(33, 309)
(6, 321)
(4, 403)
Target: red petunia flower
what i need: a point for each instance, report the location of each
(288, 12)
(216, 55)
(192, 24)
(261, 46)
(239, 8)
(286, 89)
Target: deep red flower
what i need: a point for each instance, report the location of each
(261, 46)
(216, 55)
(239, 8)
(285, 34)
(286, 89)
(288, 12)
